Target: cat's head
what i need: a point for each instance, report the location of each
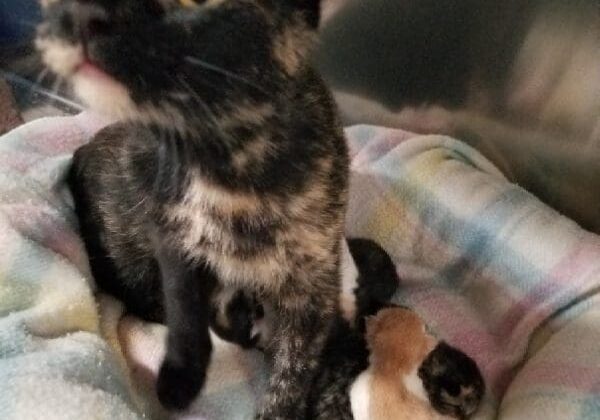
(155, 59)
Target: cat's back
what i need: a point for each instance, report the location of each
(111, 207)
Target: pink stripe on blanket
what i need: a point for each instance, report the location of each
(569, 278)
(381, 143)
(19, 160)
(562, 375)
(58, 136)
(442, 309)
(39, 225)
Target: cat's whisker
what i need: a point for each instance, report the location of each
(57, 85)
(194, 95)
(207, 111)
(42, 76)
(161, 159)
(208, 66)
(190, 90)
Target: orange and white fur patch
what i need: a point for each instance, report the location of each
(391, 389)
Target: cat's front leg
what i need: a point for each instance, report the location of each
(187, 292)
(303, 323)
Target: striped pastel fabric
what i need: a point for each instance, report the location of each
(492, 270)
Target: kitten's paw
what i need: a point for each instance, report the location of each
(453, 381)
(178, 385)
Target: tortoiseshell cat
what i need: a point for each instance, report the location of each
(230, 168)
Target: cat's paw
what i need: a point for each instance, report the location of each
(178, 385)
(453, 381)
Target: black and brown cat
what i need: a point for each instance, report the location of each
(229, 167)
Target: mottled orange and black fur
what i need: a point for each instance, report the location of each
(229, 168)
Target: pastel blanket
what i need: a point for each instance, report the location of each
(492, 270)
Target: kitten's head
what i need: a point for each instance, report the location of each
(158, 59)
(452, 381)
(401, 345)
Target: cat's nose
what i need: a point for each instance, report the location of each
(91, 20)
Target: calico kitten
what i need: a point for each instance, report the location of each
(230, 168)
(451, 380)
